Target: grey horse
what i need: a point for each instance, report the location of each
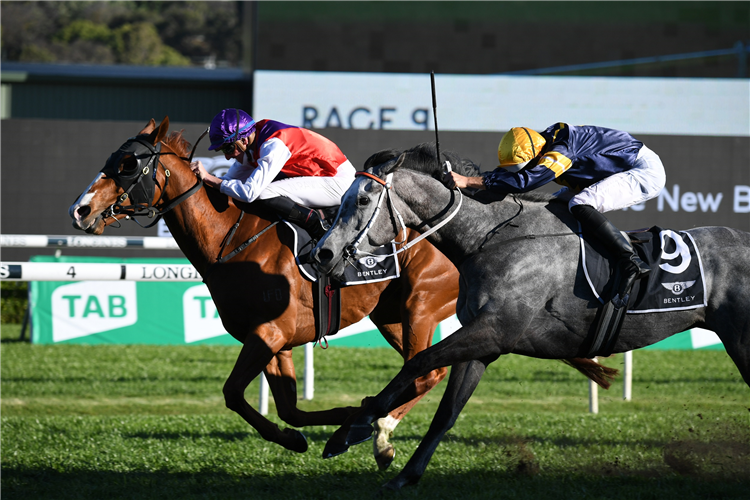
(521, 289)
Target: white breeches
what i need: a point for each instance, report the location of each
(642, 182)
(313, 192)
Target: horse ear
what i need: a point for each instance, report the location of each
(394, 165)
(150, 126)
(160, 132)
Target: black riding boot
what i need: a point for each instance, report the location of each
(306, 217)
(629, 265)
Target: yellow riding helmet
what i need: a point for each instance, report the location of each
(518, 147)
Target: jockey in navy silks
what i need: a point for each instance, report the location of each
(602, 170)
(289, 169)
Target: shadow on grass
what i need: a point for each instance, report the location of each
(84, 485)
(175, 436)
(14, 341)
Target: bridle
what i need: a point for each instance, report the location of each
(352, 250)
(138, 186)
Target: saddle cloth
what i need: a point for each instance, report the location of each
(368, 269)
(676, 280)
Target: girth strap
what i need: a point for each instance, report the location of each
(221, 259)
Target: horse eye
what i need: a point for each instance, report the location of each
(363, 201)
(129, 165)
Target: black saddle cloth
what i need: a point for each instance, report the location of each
(676, 280)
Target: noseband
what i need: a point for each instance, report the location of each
(141, 159)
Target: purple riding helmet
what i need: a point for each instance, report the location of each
(225, 125)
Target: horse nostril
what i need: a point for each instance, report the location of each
(324, 256)
(83, 212)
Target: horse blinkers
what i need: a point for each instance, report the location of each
(138, 159)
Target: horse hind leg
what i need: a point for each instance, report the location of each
(408, 336)
(736, 340)
(728, 312)
(282, 380)
(383, 450)
(741, 358)
(478, 339)
(463, 380)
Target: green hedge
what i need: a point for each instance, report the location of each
(13, 301)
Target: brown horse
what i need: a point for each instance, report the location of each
(261, 297)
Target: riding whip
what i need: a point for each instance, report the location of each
(447, 166)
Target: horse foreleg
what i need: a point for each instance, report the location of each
(463, 380)
(283, 383)
(254, 356)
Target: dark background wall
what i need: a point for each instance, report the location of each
(120, 92)
(47, 163)
(499, 37)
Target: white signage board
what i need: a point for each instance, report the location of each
(492, 103)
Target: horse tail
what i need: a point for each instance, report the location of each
(602, 375)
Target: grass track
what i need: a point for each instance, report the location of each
(149, 422)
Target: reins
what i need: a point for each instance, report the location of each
(353, 249)
(508, 223)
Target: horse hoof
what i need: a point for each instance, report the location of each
(297, 441)
(399, 482)
(334, 449)
(385, 458)
(359, 434)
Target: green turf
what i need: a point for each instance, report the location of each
(149, 422)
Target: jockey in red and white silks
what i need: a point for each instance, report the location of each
(290, 161)
(290, 169)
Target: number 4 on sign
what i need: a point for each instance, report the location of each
(71, 272)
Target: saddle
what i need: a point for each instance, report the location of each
(381, 266)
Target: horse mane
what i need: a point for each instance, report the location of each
(422, 158)
(177, 143)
